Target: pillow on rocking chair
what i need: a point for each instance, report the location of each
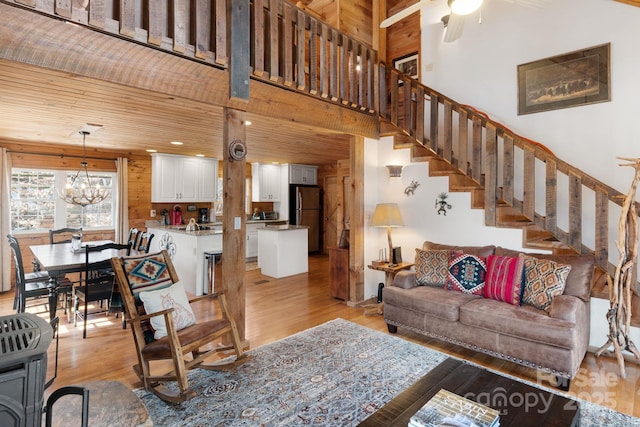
(174, 297)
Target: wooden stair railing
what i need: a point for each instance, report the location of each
(518, 182)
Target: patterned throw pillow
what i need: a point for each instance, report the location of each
(432, 267)
(544, 279)
(172, 297)
(504, 279)
(467, 273)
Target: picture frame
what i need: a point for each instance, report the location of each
(572, 79)
(408, 64)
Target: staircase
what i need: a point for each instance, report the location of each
(518, 182)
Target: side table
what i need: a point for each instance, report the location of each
(390, 270)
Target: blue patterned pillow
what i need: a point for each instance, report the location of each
(467, 273)
(146, 273)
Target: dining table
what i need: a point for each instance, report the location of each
(59, 259)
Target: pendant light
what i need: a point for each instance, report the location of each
(81, 191)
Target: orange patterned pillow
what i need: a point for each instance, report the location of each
(432, 267)
(544, 280)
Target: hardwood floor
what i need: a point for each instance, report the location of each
(276, 308)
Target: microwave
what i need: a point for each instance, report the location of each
(269, 215)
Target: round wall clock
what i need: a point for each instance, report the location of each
(237, 150)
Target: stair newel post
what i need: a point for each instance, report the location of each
(624, 282)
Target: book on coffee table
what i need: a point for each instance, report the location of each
(449, 409)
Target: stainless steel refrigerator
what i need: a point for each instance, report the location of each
(305, 206)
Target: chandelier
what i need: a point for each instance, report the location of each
(80, 190)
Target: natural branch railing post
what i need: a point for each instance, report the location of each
(620, 286)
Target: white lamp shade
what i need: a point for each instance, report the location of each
(387, 215)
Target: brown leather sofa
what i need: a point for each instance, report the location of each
(554, 341)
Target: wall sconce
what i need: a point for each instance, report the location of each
(395, 171)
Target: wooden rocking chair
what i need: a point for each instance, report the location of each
(154, 272)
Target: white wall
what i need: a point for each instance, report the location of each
(480, 69)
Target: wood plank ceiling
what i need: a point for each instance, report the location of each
(41, 108)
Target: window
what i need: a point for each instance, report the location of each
(35, 205)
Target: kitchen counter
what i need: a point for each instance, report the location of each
(208, 228)
(187, 250)
(284, 227)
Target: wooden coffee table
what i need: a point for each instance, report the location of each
(519, 404)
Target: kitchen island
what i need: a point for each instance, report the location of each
(187, 249)
(283, 250)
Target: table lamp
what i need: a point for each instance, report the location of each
(387, 215)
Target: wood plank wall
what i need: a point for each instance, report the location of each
(352, 17)
(403, 37)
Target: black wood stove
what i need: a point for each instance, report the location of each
(24, 341)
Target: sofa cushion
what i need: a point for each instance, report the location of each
(433, 301)
(467, 273)
(432, 267)
(405, 279)
(504, 279)
(578, 281)
(483, 251)
(544, 279)
(525, 322)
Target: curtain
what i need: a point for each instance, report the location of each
(5, 218)
(122, 203)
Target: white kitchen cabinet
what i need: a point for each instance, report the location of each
(252, 240)
(265, 181)
(182, 179)
(208, 188)
(303, 174)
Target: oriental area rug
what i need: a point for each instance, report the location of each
(336, 374)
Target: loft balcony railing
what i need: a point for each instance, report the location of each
(288, 46)
(298, 52)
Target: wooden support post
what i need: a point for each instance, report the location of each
(233, 238)
(239, 50)
(356, 216)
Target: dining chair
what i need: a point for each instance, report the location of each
(165, 329)
(31, 285)
(97, 283)
(144, 242)
(134, 235)
(62, 235)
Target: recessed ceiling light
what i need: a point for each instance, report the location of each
(247, 122)
(199, 155)
(177, 142)
(151, 150)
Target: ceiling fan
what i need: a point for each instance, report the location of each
(454, 21)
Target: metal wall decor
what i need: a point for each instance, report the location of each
(237, 150)
(441, 204)
(411, 188)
